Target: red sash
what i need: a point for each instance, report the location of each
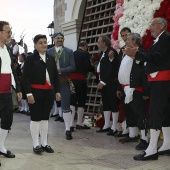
(161, 76)
(77, 76)
(140, 89)
(5, 83)
(46, 86)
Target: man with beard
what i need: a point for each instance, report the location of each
(65, 64)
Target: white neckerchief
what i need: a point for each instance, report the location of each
(58, 48)
(43, 57)
(124, 70)
(6, 63)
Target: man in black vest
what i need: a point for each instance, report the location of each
(108, 70)
(8, 78)
(83, 66)
(158, 72)
(133, 85)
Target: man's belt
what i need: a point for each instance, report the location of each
(63, 78)
(163, 75)
(140, 89)
(46, 86)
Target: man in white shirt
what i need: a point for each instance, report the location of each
(8, 78)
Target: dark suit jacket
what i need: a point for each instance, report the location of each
(158, 56)
(82, 62)
(18, 88)
(35, 71)
(66, 59)
(108, 69)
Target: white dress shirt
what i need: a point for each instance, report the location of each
(124, 77)
(47, 75)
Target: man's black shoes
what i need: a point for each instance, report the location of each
(142, 157)
(68, 135)
(8, 154)
(48, 149)
(143, 145)
(112, 132)
(38, 150)
(165, 152)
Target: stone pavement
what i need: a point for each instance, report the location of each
(87, 151)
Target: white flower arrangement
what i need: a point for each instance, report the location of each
(137, 15)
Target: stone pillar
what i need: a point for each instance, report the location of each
(71, 32)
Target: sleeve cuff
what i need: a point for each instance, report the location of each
(29, 94)
(103, 83)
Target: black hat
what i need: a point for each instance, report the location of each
(58, 34)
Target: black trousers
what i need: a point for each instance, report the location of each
(159, 104)
(44, 100)
(6, 111)
(109, 98)
(79, 98)
(135, 111)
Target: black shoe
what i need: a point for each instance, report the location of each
(68, 135)
(28, 113)
(38, 150)
(72, 129)
(54, 115)
(22, 112)
(119, 135)
(143, 145)
(58, 118)
(103, 130)
(165, 152)
(15, 110)
(82, 127)
(61, 120)
(141, 157)
(8, 154)
(48, 149)
(112, 132)
(128, 139)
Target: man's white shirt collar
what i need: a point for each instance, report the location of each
(156, 40)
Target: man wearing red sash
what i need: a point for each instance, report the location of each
(158, 71)
(8, 78)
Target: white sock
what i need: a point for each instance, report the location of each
(73, 109)
(22, 105)
(144, 136)
(115, 116)
(152, 148)
(35, 130)
(55, 108)
(132, 132)
(106, 119)
(60, 112)
(80, 113)
(26, 105)
(43, 132)
(3, 135)
(166, 139)
(137, 132)
(67, 119)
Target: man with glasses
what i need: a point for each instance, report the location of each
(8, 78)
(65, 64)
(158, 73)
